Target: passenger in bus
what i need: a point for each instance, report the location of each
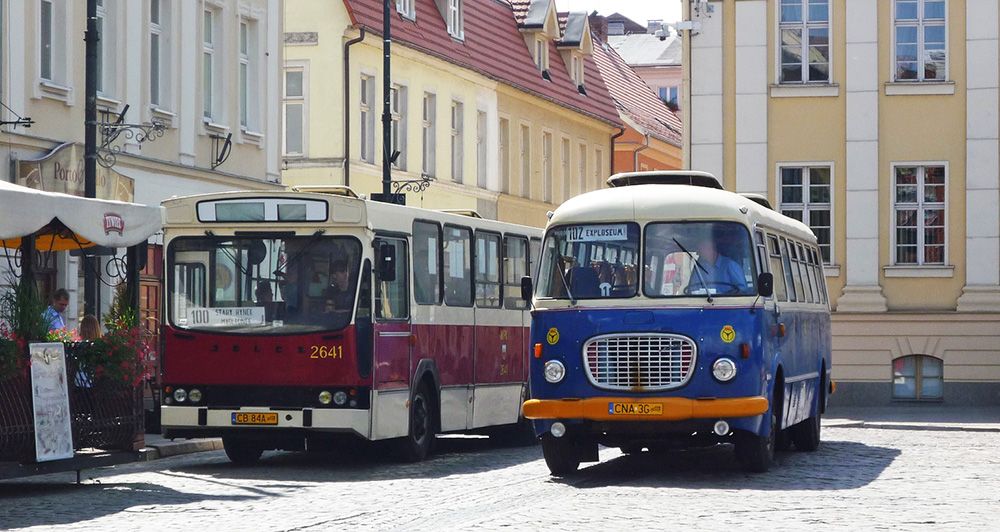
(339, 296)
(265, 298)
(289, 286)
(722, 274)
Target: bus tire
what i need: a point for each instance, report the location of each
(754, 452)
(561, 455)
(417, 444)
(242, 452)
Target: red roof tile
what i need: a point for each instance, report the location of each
(494, 47)
(634, 98)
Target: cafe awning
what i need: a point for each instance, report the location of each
(63, 222)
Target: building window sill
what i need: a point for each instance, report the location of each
(919, 88)
(50, 89)
(919, 271)
(816, 90)
(252, 137)
(213, 128)
(108, 103)
(831, 270)
(163, 116)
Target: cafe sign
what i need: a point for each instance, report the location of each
(62, 170)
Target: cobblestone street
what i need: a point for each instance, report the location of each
(861, 478)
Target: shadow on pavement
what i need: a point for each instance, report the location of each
(30, 504)
(836, 465)
(368, 461)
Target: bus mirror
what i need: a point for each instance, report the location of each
(256, 252)
(387, 263)
(526, 288)
(765, 284)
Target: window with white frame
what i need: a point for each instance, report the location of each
(504, 154)
(429, 153)
(917, 377)
(581, 163)
(921, 49)
(919, 214)
(599, 168)
(547, 167)
(457, 150)
(294, 111)
(159, 53)
(454, 19)
(406, 8)
(804, 29)
(669, 95)
(105, 54)
(52, 41)
(211, 67)
(806, 196)
(481, 149)
(367, 118)
(397, 114)
(525, 161)
(564, 167)
(248, 75)
(541, 54)
(576, 70)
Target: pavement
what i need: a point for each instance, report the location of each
(897, 417)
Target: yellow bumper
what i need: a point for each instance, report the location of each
(671, 408)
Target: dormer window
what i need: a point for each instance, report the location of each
(406, 8)
(542, 55)
(576, 71)
(454, 19)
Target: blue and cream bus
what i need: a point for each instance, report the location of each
(669, 313)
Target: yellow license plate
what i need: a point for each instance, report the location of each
(635, 409)
(255, 418)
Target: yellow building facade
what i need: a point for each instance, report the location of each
(876, 124)
(485, 143)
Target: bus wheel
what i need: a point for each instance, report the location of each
(241, 452)
(756, 453)
(561, 455)
(416, 445)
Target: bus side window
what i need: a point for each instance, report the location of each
(762, 265)
(820, 277)
(535, 246)
(807, 282)
(515, 266)
(487, 270)
(779, 273)
(427, 263)
(786, 263)
(392, 298)
(363, 321)
(457, 264)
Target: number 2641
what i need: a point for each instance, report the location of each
(322, 351)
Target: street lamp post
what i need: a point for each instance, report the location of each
(91, 38)
(386, 96)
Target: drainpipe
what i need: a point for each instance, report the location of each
(635, 154)
(686, 89)
(347, 105)
(621, 131)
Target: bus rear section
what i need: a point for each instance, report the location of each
(657, 327)
(263, 334)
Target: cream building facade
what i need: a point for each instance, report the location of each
(486, 139)
(202, 68)
(876, 123)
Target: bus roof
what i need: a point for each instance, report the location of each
(658, 203)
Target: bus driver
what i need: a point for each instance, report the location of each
(718, 271)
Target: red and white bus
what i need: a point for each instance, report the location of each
(299, 316)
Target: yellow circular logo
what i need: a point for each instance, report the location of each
(728, 334)
(553, 336)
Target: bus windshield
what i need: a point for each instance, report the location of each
(267, 285)
(590, 261)
(698, 258)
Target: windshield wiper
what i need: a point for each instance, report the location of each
(562, 276)
(305, 248)
(697, 267)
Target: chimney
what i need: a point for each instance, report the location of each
(598, 26)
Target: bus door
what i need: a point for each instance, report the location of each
(392, 337)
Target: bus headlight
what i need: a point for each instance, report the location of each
(325, 397)
(340, 398)
(194, 395)
(724, 370)
(554, 371)
(180, 395)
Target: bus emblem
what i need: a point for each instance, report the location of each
(728, 334)
(553, 336)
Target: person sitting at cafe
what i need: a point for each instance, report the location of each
(90, 328)
(57, 305)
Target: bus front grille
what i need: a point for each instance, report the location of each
(639, 361)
